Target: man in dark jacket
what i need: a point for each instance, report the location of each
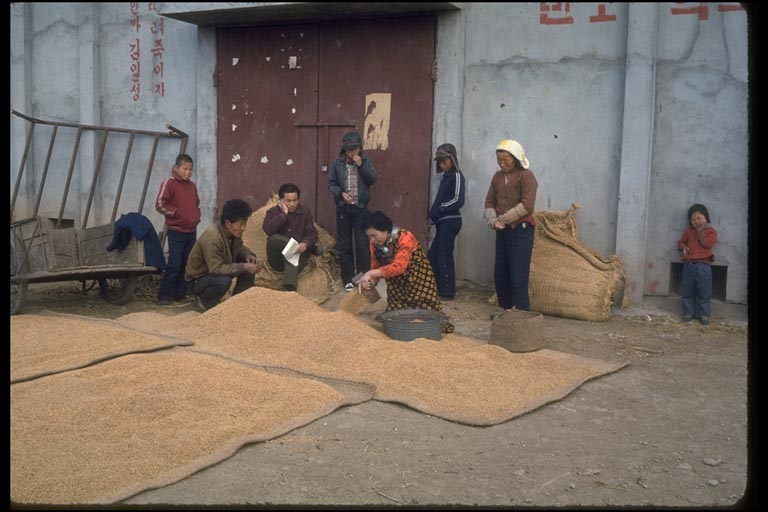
(283, 222)
(349, 180)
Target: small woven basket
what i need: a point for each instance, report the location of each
(518, 331)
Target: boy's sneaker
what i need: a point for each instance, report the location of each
(349, 287)
(704, 320)
(164, 302)
(199, 304)
(687, 318)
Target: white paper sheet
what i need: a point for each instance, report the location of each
(289, 251)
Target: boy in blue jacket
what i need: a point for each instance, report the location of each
(445, 215)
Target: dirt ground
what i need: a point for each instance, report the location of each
(669, 430)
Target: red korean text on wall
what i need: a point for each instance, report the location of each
(152, 34)
(560, 13)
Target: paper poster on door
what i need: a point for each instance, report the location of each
(378, 107)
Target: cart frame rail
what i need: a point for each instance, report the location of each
(44, 249)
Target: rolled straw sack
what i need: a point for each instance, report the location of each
(568, 278)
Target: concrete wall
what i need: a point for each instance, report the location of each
(72, 63)
(634, 117)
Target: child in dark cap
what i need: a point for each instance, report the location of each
(445, 215)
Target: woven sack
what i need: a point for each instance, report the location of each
(315, 279)
(568, 278)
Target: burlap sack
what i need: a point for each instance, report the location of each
(315, 280)
(568, 278)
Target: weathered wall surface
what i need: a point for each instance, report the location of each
(635, 111)
(700, 147)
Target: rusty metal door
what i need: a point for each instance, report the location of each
(287, 94)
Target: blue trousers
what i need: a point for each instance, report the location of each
(513, 264)
(349, 230)
(697, 289)
(173, 286)
(441, 256)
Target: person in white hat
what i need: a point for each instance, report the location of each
(509, 208)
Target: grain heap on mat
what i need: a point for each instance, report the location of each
(353, 302)
(45, 344)
(456, 378)
(103, 433)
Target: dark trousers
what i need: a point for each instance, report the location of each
(697, 289)
(441, 256)
(349, 230)
(173, 286)
(513, 264)
(211, 288)
(275, 246)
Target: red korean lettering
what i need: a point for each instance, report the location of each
(602, 15)
(702, 10)
(555, 13)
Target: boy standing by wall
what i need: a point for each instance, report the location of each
(179, 203)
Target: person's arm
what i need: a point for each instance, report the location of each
(163, 203)
(707, 237)
(490, 214)
(434, 210)
(524, 208)
(453, 196)
(334, 185)
(214, 256)
(274, 221)
(309, 235)
(367, 172)
(404, 248)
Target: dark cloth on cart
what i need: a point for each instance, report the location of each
(138, 226)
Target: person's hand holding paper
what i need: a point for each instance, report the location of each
(290, 253)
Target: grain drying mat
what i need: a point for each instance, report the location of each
(457, 378)
(106, 432)
(50, 343)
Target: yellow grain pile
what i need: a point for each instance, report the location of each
(44, 344)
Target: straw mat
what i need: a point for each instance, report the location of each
(457, 378)
(50, 343)
(103, 433)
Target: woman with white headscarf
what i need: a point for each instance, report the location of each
(509, 208)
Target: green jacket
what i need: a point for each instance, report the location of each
(217, 253)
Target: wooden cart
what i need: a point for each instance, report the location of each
(49, 249)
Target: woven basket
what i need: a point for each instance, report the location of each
(518, 331)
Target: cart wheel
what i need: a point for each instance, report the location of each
(18, 267)
(118, 291)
